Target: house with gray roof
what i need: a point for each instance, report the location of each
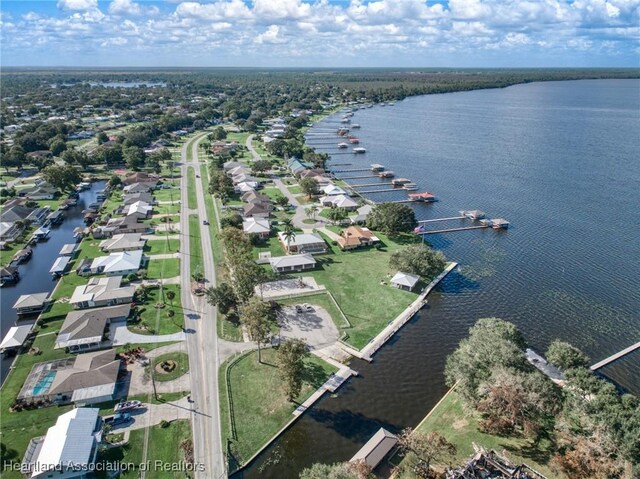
(303, 243)
(32, 303)
(376, 448)
(102, 292)
(88, 329)
(291, 263)
(123, 242)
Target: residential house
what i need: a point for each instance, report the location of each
(127, 224)
(291, 263)
(246, 186)
(32, 303)
(10, 231)
(16, 337)
(303, 243)
(39, 215)
(361, 214)
(258, 227)
(405, 281)
(339, 201)
(32, 155)
(317, 173)
(140, 177)
(88, 329)
(230, 165)
(36, 193)
(244, 178)
(145, 187)
(143, 196)
(123, 242)
(333, 190)
(140, 209)
(86, 379)
(253, 197)
(68, 450)
(121, 263)
(257, 210)
(15, 213)
(296, 166)
(238, 170)
(69, 249)
(100, 292)
(355, 237)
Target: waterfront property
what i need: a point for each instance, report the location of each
(355, 237)
(121, 263)
(68, 450)
(84, 379)
(405, 281)
(123, 242)
(15, 337)
(32, 303)
(60, 266)
(87, 329)
(102, 292)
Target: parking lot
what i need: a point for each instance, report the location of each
(314, 327)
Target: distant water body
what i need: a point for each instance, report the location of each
(561, 162)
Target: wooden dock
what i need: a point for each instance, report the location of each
(615, 357)
(451, 230)
(352, 169)
(357, 178)
(386, 190)
(442, 219)
(362, 185)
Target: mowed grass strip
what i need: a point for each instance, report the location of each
(192, 199)
(260, 407)
(180, 360)
(163, 268)
(195, 245)
(461, 427)
(161, 246)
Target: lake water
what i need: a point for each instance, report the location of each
(34, 274)
(561, 162)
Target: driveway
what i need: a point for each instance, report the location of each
(315, 328)
(121, 335)
(153, 414)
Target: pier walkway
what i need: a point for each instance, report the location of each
(449, 230)
(615, 357)
(442, 219)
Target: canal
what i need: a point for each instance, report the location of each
(34, 274)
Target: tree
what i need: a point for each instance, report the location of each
(236, 244)
(110, 155)
(309, 186)
(261, 166)
(219, 134)
(566, 356)
(425, 449)
(340, 470)
(517, 402)
(171, 295)
(256, 317)
(281, 200)
(492, 343)
(63, 177)
(102, 138)
(288, 232)
(336, 215)
(57, 146)
(72, 156)
(15, 158)
(291, 355)
(418, 259)
(134, 157)
(392, 218)
(223, 297)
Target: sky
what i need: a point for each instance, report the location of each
(321, 33)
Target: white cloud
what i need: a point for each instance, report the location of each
(77, 4)
(270, 36)
(129, 7)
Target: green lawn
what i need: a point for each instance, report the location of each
(195, 245)
(169, 209)
(272, 193)
(169, 194)
(181, 361)
(259, 406)
(460, 427)
(163, 268)
(192, 199)
(157, 319)
(90, 248)
(161, 246)
(272, 244)
(366, 301)
(295, 190)
(164, 444)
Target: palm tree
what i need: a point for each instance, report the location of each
(288, 233)
(309, 212)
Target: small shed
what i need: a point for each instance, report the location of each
(376, 448)
(15, 337)
(405, 281)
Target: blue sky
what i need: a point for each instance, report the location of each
(302, 33)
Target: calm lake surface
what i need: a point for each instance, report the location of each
(34, 274)
(561, 162)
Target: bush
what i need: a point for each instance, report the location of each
(164, 424)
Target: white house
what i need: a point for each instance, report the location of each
(332, 190)
(120, 264)
(123, 242)
(140, 208)
(257, 226)
(69, 449)
(102, 292)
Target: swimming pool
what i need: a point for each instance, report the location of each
(43, 385)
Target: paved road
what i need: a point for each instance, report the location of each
(249, 144)
(202, 340)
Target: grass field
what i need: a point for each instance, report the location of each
(366, 301)
(195, 245)
(161, 246)
(164, 444)
(460, 427)
(169, 194)
(163, 268)
(192, 199)
(157, 319)
(182, 366)
(259, 405)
